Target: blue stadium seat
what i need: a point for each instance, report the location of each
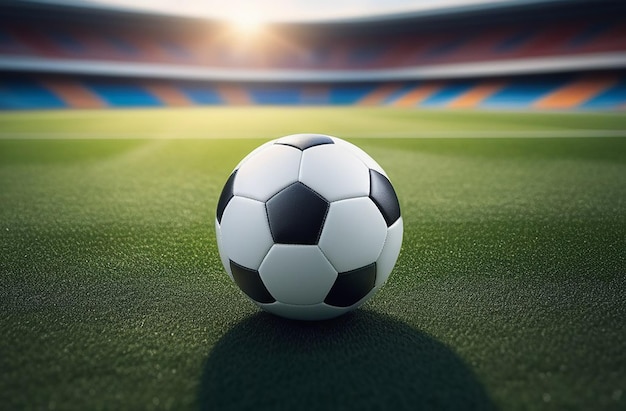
(275, 94)
(27, 94)
(201, 94)
(405, 88)
(613, 98)
(522, 93)
(350, 93)
(448, 93)
(124, 94)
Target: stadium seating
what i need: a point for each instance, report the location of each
(556, 63)
(561, 92)
(362, 52)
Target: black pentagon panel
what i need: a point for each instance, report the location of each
(351, 286)
(250, 283)
(304, 141)
(296, 215)
(227, 194)
(384, 196)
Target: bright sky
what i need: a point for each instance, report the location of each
(283, 10)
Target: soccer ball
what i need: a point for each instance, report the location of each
(308, 226)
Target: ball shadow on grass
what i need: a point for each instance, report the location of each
(362, 360)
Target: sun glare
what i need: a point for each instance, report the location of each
(248, 23)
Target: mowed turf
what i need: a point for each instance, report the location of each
(509, 291)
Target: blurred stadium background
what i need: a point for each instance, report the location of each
(528, 55)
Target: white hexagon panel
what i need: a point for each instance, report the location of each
(354, 233)
(270, 170)
(297, 274)
(334, 172)
(245, 232)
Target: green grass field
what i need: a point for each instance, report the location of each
(509, 293)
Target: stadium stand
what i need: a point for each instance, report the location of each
(572, 57)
